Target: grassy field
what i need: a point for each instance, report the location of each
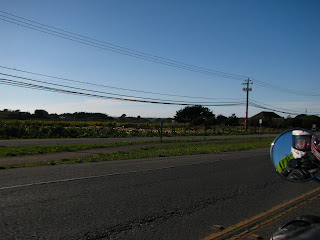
(34, 129)
(177, 149)
(32, 150)
(44, 149)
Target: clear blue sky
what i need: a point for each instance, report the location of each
(282, 148)
(276, 42)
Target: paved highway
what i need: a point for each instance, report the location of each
(163, 198)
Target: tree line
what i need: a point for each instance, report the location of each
(40, 114)
(199, 115)
(194, 115)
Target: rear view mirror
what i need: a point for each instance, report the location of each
(295, 155)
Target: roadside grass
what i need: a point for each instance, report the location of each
(32, 150)
(44, 149)
(164, 151)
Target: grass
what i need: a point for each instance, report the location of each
(165, 151)
(44, 149)
(32, 150)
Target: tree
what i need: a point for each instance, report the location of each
(302, 121)
(196, 115)
(221, 120)
(233, 120)
(41, 114)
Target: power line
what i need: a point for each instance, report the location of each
(281, 89)
(272, 107)
(27, 23)
(260, 105)
(274, 110)
(108, 93)
(11, 82)
(24, 22)
(252, 103)
(111, 47)
(120, 47)
(112, 87)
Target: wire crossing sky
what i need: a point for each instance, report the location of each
(182, 51)
(106, 95)
(7, 17)
(103, 86)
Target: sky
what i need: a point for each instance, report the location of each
(282, 148)
(202, 50)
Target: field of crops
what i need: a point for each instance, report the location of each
(29, 129)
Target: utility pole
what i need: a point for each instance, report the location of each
(161, 130)
(247, 89)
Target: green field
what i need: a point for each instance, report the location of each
(34, 129)
(147, 151)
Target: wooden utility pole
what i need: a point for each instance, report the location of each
(247, 89)
(161, 129)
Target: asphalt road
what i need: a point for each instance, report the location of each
(164, 198)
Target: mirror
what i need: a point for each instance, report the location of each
(295, 155)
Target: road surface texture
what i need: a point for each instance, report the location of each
(161, 198)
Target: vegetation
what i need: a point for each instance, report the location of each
(180, 149)
(163, 151)
(32, 150)
(31, 129)
(189, 121)
(14, 151)
(40, 114)
(302, 120)
(198, 115)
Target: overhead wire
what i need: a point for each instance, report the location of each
(108, 93)
(126, 98)
(137, 54)
(144, 56)
(120, 47)
(252, 103)
(273, 107)
(112, 87)
(121, 50)
(258, 104)
(282, 89)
